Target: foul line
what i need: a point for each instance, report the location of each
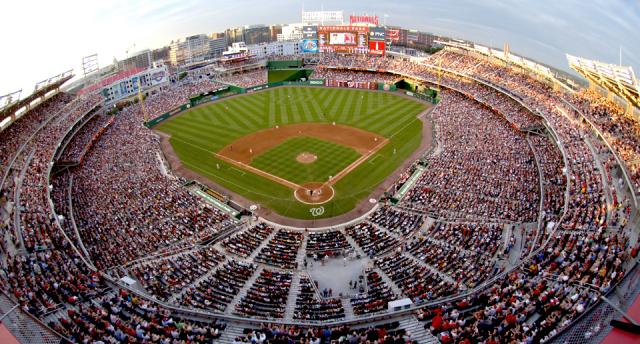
(259, 172)
(356, 163)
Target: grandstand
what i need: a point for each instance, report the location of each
(507, 212)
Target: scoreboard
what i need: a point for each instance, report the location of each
(351, 39)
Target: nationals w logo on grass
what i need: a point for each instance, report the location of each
(316, 211)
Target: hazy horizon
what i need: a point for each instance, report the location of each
(56, 36)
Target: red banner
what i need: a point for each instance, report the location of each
(376, 48)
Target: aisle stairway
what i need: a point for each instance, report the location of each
(293, 295)
(243, 292)
(230, 333)
(417, 331)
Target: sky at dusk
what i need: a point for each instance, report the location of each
(44, 38)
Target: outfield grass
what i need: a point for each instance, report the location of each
(198, 133)
(281, 160)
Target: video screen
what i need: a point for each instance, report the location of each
(342, 38)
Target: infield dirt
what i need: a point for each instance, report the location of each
(243, 149)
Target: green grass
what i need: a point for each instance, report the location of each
(199, 132)
(281, 160)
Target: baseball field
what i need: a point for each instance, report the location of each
(298, 149)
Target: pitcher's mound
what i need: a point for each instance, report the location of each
(314, 193)
(306, 158)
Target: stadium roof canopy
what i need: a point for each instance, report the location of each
(617, 79)
(504, 55)
(41, 89)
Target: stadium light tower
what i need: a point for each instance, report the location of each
(90, 64)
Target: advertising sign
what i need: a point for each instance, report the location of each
(310, 45)
(376, 47)
(310, 32)
(394, 34)
(376, 34)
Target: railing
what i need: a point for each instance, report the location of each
(23, 326)
(593, 325)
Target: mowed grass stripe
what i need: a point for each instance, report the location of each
(241, 114)
(254, 111)
(391, 123)
(386, 112)
(311, 104)
(346, 107)
(211, 115)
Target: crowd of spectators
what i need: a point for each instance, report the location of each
(125, 318)
(245, 79)
(125, 206)
(371, 240)
(398, 222)
(388, 333)
(282, 250)
(310, 306)
(352, 76)
(621, 130)
(267, 297)
(19, 132)
(534, 303)
(483, 239)
(416, 281)
(167, 276)
(78, 145)
(245, 242)
(215, 292)
(376, 296)
(44, 274)
(553, 178)
(326, 243)
(177, 94)
(473, 178)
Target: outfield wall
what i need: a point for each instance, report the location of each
(284, 64)
(277, 75)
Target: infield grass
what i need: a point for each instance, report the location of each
(281, 160)
(199, 132)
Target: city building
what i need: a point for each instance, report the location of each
(141, 59)
(191, 49)
(274, 48)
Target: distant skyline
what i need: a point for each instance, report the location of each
(54, 36)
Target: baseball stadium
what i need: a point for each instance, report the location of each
(335, 180)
